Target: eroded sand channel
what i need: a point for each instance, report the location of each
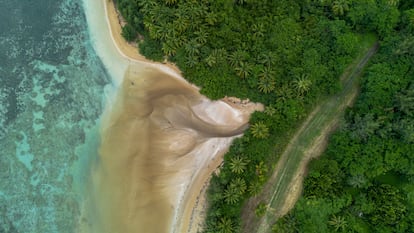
(160, 141)
(155, 138)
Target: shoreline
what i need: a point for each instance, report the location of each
(188, 215)
(126, 49)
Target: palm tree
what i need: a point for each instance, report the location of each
(146, 5)
(237, 57)
(168, 49)
(216, 56)
(260, 130)
(357, 181)
(338, 222)
(266, 72)
(238, 164)
(225, 225)
(211, 60)
(202, 36)
(191, 48)
(270, 110)
(258, 30)
(339, 7)
(163, 31)
(191, 60)
(266, 85)
(154, 31)
(393, 2)
(231, 195)
(268, 59)
(211, 18)
(302, 84)
(181, 24)
(266, 82)
(235, 190)
(170, 2)
(195, 12)
(255, 188)
(239, 185)
(284, 93)
(244, 69)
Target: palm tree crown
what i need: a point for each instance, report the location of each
(238, 164)
(260, 130)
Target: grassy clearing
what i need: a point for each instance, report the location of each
(284, 186)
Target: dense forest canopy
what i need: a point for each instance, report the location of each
(289, 54)
(365, 180)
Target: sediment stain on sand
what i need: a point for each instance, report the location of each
(159, 140)
(149, 143)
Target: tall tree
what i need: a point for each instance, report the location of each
(302, 85)
(339, 7)
(266, 84)
(225, 225)
(238, 164)
(260, 130)
(338, 223)
(244, 69)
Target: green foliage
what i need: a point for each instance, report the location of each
(260, 130)
(376, 15)
(129, 33)
(235, 191)
(151, 49)
(302, 85)
(260, 209)
(238, 164)
(389, 203)
(287, 224)
(225, 226)
(338, 223)
(366, 172)
(324, 179)
(339, 7)
(288, 55)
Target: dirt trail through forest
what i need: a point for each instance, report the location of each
(285, 186)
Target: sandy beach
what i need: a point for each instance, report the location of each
(129, 50)
(161, 140)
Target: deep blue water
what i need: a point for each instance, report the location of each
(51, 98)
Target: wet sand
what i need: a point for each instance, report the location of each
(155, 143)
(160, 142)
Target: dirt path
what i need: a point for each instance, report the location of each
(285, 186)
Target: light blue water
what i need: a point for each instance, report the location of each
(51, 97)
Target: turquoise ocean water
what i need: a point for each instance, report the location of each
(51, 98)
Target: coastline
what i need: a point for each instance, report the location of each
(126, 49)
(191, 197)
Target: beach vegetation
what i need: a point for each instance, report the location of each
(260, 130)
(289, 55)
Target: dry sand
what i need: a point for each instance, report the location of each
(128, 50)
(161, 141)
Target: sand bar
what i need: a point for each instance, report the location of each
(161, 139)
